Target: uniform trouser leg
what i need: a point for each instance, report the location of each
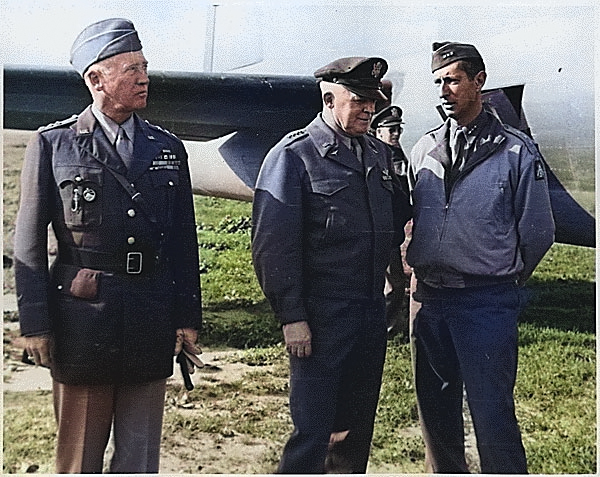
(337, 387)
(85, 414)
(139, 412)
(485, 336)
(439, 390)
(469, 335)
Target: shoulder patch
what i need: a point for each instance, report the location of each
(540, 171)
(59, 124)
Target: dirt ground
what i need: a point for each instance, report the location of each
(206, 453)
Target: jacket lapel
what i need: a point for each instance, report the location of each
(329, 146)
(90, 139)
(146, 146)
(370, 156)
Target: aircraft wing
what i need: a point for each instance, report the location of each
(231, 121)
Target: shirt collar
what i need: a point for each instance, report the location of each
(111, 127)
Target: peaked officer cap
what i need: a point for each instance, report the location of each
(390, 116)
(447, 52)
(102, 40)
(358, 74)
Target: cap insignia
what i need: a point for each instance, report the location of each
(376, 69)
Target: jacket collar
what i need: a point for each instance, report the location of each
(330, 146)
(90, 137)
(489, 138)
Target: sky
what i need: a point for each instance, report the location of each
(548, 45)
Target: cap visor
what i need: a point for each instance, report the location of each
(376, 94)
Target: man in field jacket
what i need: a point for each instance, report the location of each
(482, 222)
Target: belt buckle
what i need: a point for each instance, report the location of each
(134, 263)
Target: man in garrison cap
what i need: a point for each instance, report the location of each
(123, 294)
(482, 223)
(328, 208)
(386, 125)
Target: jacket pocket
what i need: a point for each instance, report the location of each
(329, 211)
(81, 194)
(165, 184)
(76, 282)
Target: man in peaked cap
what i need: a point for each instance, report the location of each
(386, 125)
(124, 293)
(482, 223)
(327, 210)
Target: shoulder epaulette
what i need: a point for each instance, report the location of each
(527, 140)
(295, 135)
(58, 124)
(435, 128)
(159, 128)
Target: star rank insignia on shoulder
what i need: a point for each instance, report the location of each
(58, 124)
(296, 134)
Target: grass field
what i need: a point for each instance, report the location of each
(555, 391)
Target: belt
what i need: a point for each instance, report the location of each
(129, 263)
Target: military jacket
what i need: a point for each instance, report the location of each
(495, 222)
(323, 223)
(123, 329)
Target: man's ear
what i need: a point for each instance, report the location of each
(328, 98)
(95, 79)
(480, 79)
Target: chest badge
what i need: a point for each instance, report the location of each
(89, 194)
(165, 160)
(385, 175)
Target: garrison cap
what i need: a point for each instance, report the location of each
(390, 116)
(102, 40)
(358, 74)
(448, 52)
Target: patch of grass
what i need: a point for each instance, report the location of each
(556, 399)
(29, 433)
(228, 279)
(240, 328)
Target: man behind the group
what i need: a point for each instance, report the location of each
(386, 125)
(124, 291)
(482, 223)
(324, 221)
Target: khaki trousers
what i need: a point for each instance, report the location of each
(86, 414)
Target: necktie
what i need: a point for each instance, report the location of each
(356, 149)
(458, 148)
(124, 146)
